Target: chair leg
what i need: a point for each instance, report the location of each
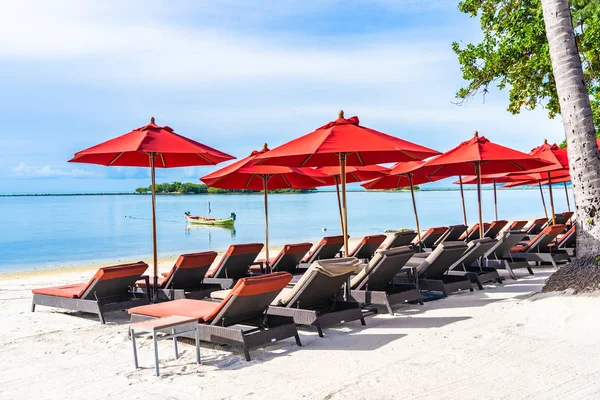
(320, 331)
(246, 353)
(32, 306)
(101, 315)
(362, 321)
(297, 337)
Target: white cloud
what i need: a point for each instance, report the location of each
(26, 171)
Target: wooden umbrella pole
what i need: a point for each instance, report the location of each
(268, 267)
(462, 196)
(495, 202)
(551, 199)
(337, 189)
(155, 251)
(412, 193)
(543, 200)
(567, 196)
(478, 172)
(344, 205)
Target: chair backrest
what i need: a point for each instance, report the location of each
(495, 228)
(507, 241)
(568, 240)
(248, 299)
(567, 215)
(540, 242)
(236, 261)
(473, 232)
(399, 239)
(431, 236)
(517, 225)
(367, 246)
(536, 226)
(113, 281)
(320, 283)
(290, 256)
(476, 249)
(440, 259)
(327, 248)
(453, 234)
(381, 269)
(189, 270)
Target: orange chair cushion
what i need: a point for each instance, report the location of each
(234, 250)
(185, 307)
(68, 291)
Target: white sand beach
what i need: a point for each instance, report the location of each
(504, 343)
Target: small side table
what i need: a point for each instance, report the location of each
(172, 327)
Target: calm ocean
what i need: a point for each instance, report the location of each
(50, 231)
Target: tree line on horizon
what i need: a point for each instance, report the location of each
(200, 188)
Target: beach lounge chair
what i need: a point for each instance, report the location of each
(327, 248)
(494, 257)
(110, 289)
(562, 218)
(453, 234)
(566, 243)
(185, 279)
(473, 232)
(399, 239)
(517, 225)
(429, 238)
(537, 249)
(536, 226)
(287, 260)
(494, 229)
(469, 263)
(234, 265)
(432, 269)
(374, 283)
(367, 247)
(239, 319)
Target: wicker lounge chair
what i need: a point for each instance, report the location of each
(110, 289)
(469, 263)
(374, 283)
(473, 232)
(537, 249)
(495, 255)
(234, 265)
(516, 226)
(494, 229)
(399, 239)
(536, 226)
(239, 320)
(327, 248)
(432, 269)
(186, 278)
(287, 260)
(453, 234)
(367, 247)
(429, 238)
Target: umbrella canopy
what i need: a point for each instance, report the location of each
(353, 174)
(245, 174)
(404, 174)
(344, 142)
(480, 156)
(558, 162)
(155, 147)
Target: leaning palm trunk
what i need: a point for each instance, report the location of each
(578, 123)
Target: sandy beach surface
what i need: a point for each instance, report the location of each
(505, 342)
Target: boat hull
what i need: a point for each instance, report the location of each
(209, 221)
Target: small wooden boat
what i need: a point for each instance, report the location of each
(198, 220)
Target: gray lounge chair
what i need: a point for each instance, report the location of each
(537, 249)
(374, 284)
(399, 239)
(495, 255)
(469, 263)
(432, 269)
(453, 234)
(367, 247)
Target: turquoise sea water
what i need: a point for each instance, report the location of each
(46, 231)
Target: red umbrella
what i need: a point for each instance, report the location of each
(481, 156)
(245, 174)
(353, 174)
(155, 147)
(404, 174)
(344, 142)
(558, 162)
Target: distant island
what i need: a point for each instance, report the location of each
(200, 188)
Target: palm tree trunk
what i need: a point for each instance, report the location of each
(578, 123)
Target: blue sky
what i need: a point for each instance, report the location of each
(231, 74)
